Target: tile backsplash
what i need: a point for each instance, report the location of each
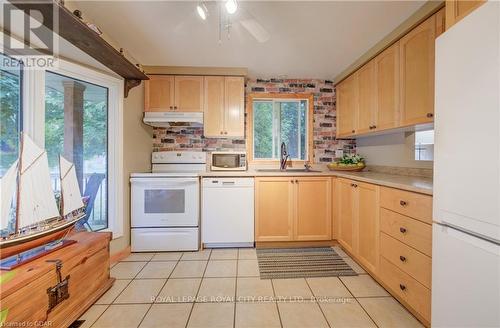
(325, 143)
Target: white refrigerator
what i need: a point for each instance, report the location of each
(466, 229)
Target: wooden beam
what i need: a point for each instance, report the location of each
(80, 35)
(428, 9)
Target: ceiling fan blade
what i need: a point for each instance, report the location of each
(255, 29)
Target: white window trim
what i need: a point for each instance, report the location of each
(34, 125)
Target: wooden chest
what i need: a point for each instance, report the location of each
(25, 300)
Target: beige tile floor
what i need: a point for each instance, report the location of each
(221, 288)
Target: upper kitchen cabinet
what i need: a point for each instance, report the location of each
(367, 98)
(416, 51)
(347, 106)
(440, 22)
(387, 88)
(458, 9)
(188, 93)
(224, 106)
(165, 93)
(159, 93)
(214, 106)
(234, 108)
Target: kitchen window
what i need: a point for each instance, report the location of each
(274, 119)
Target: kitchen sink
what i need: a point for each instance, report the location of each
(288, 170)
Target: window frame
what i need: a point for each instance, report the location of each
(33, 123)
(309, 97)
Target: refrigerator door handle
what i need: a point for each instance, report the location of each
(469, 232)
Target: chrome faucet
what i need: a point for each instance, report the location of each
(283, 156)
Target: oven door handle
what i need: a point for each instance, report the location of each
(164, 181)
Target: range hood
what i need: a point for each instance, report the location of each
(174, 119)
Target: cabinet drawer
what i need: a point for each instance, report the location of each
(406, 288)
(411, 204)
(407, 259)
(407, 230)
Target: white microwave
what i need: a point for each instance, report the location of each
(229, 161)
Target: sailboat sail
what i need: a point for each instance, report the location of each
(38, 201)
(70, 192)
(7, 190)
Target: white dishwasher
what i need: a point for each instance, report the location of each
(227, 215)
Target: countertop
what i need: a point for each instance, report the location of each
(416, 184)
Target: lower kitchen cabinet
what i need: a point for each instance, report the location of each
(293, 209)
(358, 221)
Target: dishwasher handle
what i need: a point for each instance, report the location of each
(227, 182)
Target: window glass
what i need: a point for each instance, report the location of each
(277, 121)
(76, 125)
(10, 114)
(424, 145)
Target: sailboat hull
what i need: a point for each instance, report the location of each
(18, 245)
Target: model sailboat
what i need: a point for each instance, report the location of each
(38, 222)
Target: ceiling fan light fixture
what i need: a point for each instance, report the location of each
(202, 10)
(231, 6)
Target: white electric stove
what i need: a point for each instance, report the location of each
(165, 210)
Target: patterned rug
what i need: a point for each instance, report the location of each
(282, 263)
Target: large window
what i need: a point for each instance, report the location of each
(10, 111)
(76, 116)
(280, 120)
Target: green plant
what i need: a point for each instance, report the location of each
(351, 159)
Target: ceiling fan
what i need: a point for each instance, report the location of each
(233, 13)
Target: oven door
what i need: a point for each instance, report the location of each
(164, 202)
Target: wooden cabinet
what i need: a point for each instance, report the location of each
(159, 93)
(313, 220)
(345, 216)
(416, 51)
(440, 21)
(164, 93)
(188, 93)
(213, 113)
(387, 88)
(347, 106)
(224, 112)
(458, 9)
(358, 226)
(293, 209)
(274, 209)
(367, 98)
(234, 108)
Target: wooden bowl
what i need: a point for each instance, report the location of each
(345, 168)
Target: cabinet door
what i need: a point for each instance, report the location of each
(189, 93)
(234, 115)
(273, 209)
(347, 106)
(345, 216)
(367, 98)
(159, 93)
(213, 116)
(458, 9)
(313, 216)
(440, 22)
(387, 75)
(367, 227)
(417, 73)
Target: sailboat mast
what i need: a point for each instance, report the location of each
(18, 188)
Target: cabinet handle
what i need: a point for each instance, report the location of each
(402, 287)
(354, 185)
(291, 181)
(430, 115)
(221, 132)
(171, 107)
(402, 258)
(225, 132)
(402, 230)
(374, 126)
(403, 203)
(175, 107)
(353, 131)
(296, 181)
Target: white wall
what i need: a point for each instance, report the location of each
(395, 149)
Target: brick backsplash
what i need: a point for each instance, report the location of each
(325, 143)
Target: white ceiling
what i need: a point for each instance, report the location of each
(308, 39)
